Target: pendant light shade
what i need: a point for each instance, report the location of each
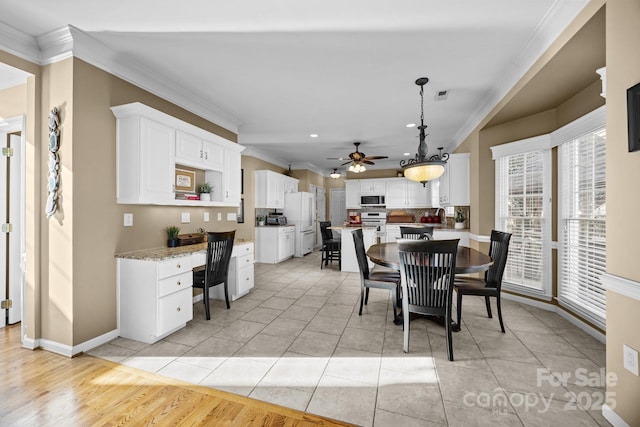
(357, 168)
(422, 168)
(335, 174)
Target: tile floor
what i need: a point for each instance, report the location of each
(296, 340)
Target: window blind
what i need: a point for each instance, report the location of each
(520, 211)
(582, 224)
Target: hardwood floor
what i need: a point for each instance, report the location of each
(42, 388)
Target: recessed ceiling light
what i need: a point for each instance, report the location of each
(314, 135)
(411, 125)
(407, 154)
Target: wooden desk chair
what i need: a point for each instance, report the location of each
(216, 271)
(428, 271)
(374, 279)
(492, 283)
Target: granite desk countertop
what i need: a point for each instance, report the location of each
(158, 254)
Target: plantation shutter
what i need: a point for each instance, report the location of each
(582, 257)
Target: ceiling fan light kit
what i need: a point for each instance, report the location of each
(422, 168)
(358, 160)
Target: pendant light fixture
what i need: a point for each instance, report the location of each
(422, 168)
(335, 174)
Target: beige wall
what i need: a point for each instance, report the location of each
(14, 101)
(623, 174)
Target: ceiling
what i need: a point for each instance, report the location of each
(281, 70)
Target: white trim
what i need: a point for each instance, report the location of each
(559, 16)
(56, 347)
(19, 43)
(611, 416)
(622, 286)
(265, 156)
(95, 342)
(480, 238)
(554, 245)
(581, 126)
(558, 310)
(528, 291)
(536, 143)
(30, 343)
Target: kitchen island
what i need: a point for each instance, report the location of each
(348, 251)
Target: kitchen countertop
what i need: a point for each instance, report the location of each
(350, 227)
(440, 227)
(158, 254)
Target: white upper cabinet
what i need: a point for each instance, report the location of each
(454, 183)
(373, 186)
(271, 188)
(352, 193)
(151, 143)
(199, 153)
(402, 193)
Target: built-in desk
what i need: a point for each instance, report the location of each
(155, 296)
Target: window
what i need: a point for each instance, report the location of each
(582, 230)
(523, 177)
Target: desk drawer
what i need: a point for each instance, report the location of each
(174, 266)
(174, 310)
(245, 281)
(175, 283)
(242, 249)
(244, 261)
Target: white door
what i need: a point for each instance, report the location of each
(337, 206)
(12, 243)
(321, 209)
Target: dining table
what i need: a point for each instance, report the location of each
(468, 260)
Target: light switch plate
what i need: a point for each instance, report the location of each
(231, 216)
(219, 216)
(128, 220)
(206, 217)
(630, 359)
(185, 217)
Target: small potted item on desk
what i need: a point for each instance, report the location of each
(172, 236)
(261, 220)
(459, 218)
(205, 191)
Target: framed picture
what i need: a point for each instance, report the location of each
(185, 181)
(633, 117)
(241, 212)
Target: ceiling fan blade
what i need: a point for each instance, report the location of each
(375, 157)
(346, 163)
(337, 158)
(367, 162)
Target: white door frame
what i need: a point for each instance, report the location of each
(17, 238)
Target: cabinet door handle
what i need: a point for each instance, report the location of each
(178, 266)
(179, 283)
(200, 153)
(178, 309)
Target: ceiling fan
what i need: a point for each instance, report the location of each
(358, 157)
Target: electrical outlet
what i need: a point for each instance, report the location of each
(128, 220)
(231, 216)
(630, 359)
(219, 216)
(185, 217)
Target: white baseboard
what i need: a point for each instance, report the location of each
(67, 350)
(615, 419)
(556, 309)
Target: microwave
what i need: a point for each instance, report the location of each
(371, 200)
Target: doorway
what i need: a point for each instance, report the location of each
(337, 206)
(12, 218)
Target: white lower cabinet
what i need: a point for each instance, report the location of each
(450, 234)
(155, 297)
(275, 244)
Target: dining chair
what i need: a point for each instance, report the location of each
(416, 233)
(374, 279)
(428, 268)
(492, 283)
(331, 248)
(216, 271)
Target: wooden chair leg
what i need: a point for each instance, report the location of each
(366, 297)
(394, 305)
(488, 303)
(449, 337)
(459, 308)
(405, 315)
(226, 295)
(205, 297)
(361, 300)
(500, 313)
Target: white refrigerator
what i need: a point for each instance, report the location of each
(299, 208)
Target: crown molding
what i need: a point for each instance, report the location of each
(309, 166)
(70, 41)
(19, 44)
(559, 16)
(265, 156)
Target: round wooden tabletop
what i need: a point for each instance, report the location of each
(468, 260)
